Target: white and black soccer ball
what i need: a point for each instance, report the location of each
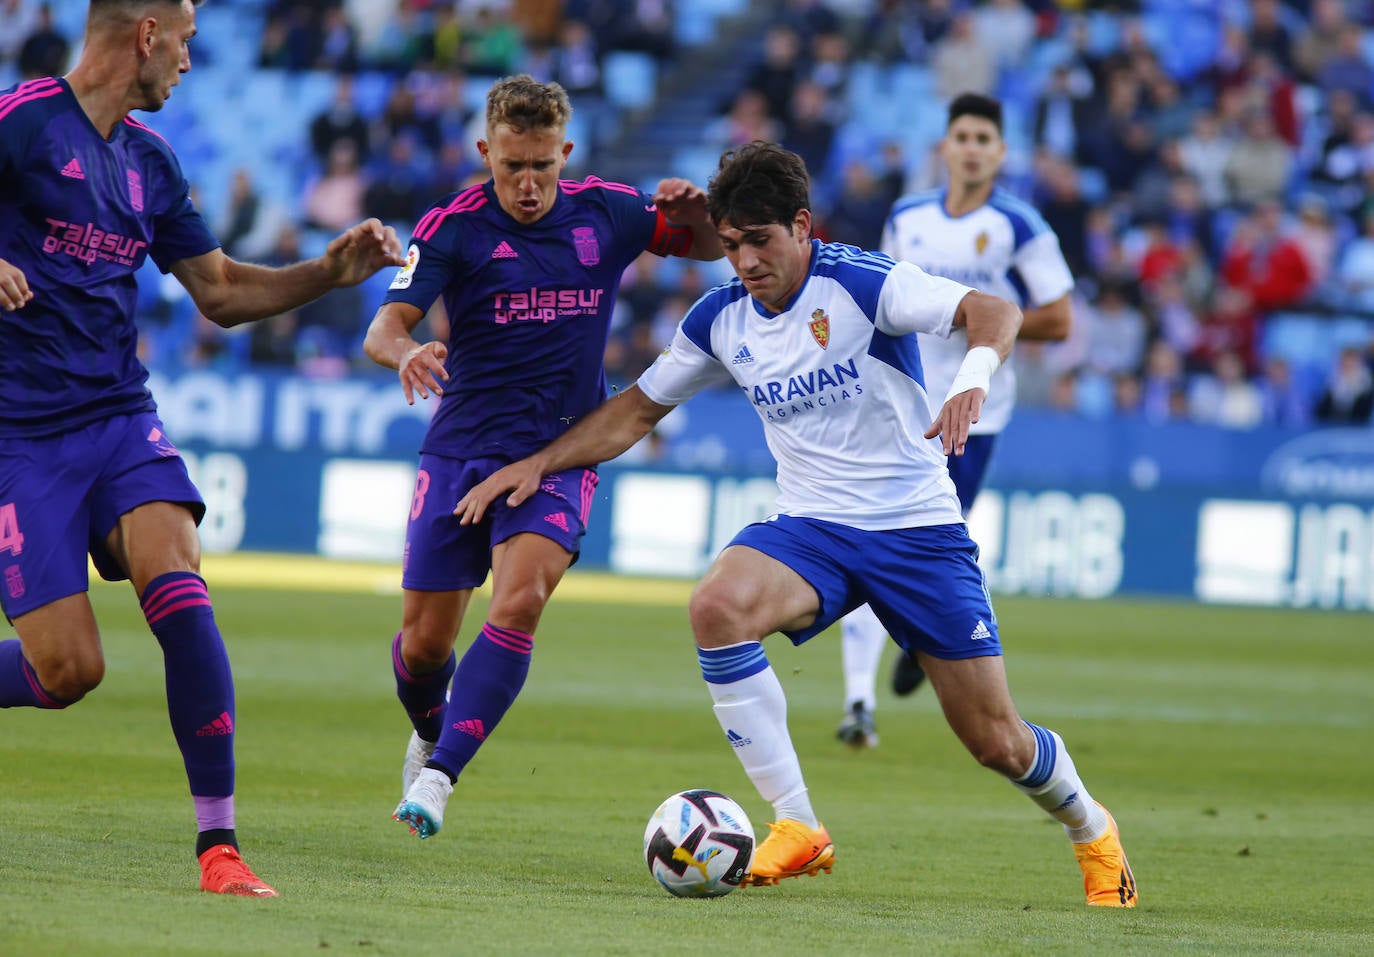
(699, 844)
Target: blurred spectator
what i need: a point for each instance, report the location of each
(808, 19)
(1315, 235)
(1260, 164)
(1281, 401)
(1206, 153)
(861, 208)
(340, 121)
(1163, 377)
(1317, 45)
(338, 44)
(962, 61)
(1061, 113)
(1225, 396)
(1269, 34)
(401, 42)
(251, 222)
(648, 29)
(18, 18)
(1265, 262)
(1355, 273)
(1347, 154)
(334, 201)
(493, 44)
(1060, 201)
(829, 65)
(1126, 394)
(747, 120)
(1175, 317)
(1116, 330)
(398, 187)
(1229, 325)
(1347, 69)
(775, 76)
(402, 118)
(1007, 28)
(45, 50)
(1348, 397)
(808, 130)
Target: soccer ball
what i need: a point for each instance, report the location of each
(699, 844)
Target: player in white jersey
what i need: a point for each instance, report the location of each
(820, 338)
(980, 235)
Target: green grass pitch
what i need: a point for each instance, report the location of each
(1233, 746)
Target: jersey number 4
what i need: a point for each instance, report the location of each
(11, 539)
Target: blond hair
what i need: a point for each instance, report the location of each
(523, 103)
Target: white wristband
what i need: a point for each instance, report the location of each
(975, 372)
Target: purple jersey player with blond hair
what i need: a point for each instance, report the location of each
(527, 267)
(87, 194)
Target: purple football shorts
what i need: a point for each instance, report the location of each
(62, 495)
(442, 555)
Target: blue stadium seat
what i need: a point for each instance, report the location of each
(630, 78)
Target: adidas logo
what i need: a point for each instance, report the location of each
(736, 740)
(980, 632)
(73, 170)
(743, 357)
(472, 728)
(504, 251)
(557, 520)
(218, 728)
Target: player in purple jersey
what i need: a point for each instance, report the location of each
(87, 193)
(526, 266)
(822, 337)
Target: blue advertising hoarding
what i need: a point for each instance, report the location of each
(1073, 507)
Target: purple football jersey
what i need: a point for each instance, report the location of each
(80, 215)
(529, 307)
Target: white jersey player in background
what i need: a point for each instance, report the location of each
(981, 236)
(820, 337)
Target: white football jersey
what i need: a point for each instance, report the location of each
(1003, 247)
(836, 379)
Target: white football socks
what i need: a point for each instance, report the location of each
(1062, 794)
(753, 714)
(862, 637)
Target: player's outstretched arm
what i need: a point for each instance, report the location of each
(992, 324)
(14, 287)
(389, 343)
(1051, 322)
(229, 292)
(684, 203)
(608, 430)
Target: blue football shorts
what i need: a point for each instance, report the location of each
(923, 583)
(62, 495)
(442, 555)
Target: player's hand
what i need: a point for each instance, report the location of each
(422, 370)
(682, 201)
(14, 287)
(361, 251)
(521, 479)
(955, 417)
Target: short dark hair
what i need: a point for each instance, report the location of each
(976, 104)
(758, 184)
(127, 8)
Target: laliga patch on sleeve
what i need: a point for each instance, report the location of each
(407, 272)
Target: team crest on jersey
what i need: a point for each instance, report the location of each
(588, 249)
(980, 242)
(820, 328)
(407, 272)
(135, 190)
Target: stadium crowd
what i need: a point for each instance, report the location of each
(1213, 194)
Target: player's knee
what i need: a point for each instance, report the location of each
(71, 680)
(713, 610)
(998, 751)
(520, 607)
